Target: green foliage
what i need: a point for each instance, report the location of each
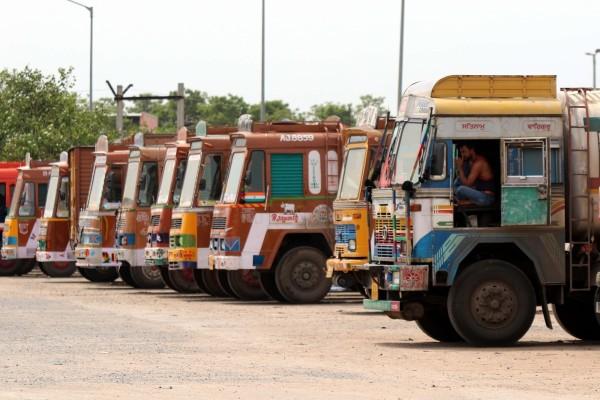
(275, 110)
(322, 111)
(370, 100)
(222, 110)
(41, 115)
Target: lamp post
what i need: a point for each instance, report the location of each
(262, 68)
(594, 64)
(400, 58)
(91, 10)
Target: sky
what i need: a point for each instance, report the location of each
(316, 50)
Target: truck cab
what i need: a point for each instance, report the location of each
(470, 258)
(271, 230)
(8, 178)
(140, 192)
(353, 227)
(21, 226)
(95, 251)
(67, 192)
(192, 216)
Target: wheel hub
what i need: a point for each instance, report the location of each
(151, 272)
(494, 304)
(305, 275)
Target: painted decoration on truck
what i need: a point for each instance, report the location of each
(314, 172)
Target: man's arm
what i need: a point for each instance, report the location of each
(473, 174)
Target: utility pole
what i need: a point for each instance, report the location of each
(262, 69)
(401, 55)
(120, 98)
(594, 54)
(91, 11)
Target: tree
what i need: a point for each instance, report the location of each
(325, 110)
(41, 115)
(370, 100)
(222, 110)
(276, 110)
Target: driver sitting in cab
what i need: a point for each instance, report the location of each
(476, 185)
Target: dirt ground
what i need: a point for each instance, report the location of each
(71, 339)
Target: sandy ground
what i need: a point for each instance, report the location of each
(71, 339)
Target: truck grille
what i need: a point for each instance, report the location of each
(176, 223)
(155, 220)
(219, 223)
(344, 233)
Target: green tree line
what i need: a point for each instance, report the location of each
(42, 115)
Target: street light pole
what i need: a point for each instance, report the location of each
(262, 69)
(400, 58)
(91, 11)
(594, 64)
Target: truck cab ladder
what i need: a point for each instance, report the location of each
(579, 246)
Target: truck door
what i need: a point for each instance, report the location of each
(525, 182)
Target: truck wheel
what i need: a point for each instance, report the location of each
(182, 281)
(8, 267)
(125, 274)
(146, 277)
(436, 324)
(25, 266)
(210, 282)
(61, 269)
(300, 276)
(578, 316)
(99, 274)
(267, 283)
(164, 274)
(492, 303)
(224, 283)
(245, 285)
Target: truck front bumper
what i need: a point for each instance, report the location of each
(156, 256)
(345, 265)
(96, 257)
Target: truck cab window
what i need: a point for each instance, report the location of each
(3, 208)
(437, 170)
(148, 184)
(26, 202)
(211, 181)
(62, 205)
(525, 160)
(254, 178)
(42, 193)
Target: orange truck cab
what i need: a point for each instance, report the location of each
(140, 192)
(95, 251)
(170, 196)
(272, 229)
(67, 192)
(21, 226)
(8, 178)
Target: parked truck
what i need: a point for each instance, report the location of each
(8, 178)
(144, 170)
(180, 231)
(475, 270)
(95, 251)
(67, 192)
(272, 227)
(21, 226)
(364, 149)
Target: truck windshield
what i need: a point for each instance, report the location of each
(406, 152)
(352, 174)
(131, 182)
(52, 192)
(148, 184)
(211, 182)
(179, 174)
(62, 206)
(167, 182)
(189, 180)
(96, 188)
(233, 179)
(16, 195)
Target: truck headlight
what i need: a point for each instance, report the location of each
(352, 245)
(222, 244)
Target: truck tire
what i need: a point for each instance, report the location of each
(492, 303)
(436, 324)
(99, 274)
(577, 316)
(25, 266)
(182, 281)
(9, 267)
(210, 282)
(125, 274)
(61, 269)
(300, 276)
(245, 285)
(164, 274)
(267, 283)
(146, 277)
(224, 283)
